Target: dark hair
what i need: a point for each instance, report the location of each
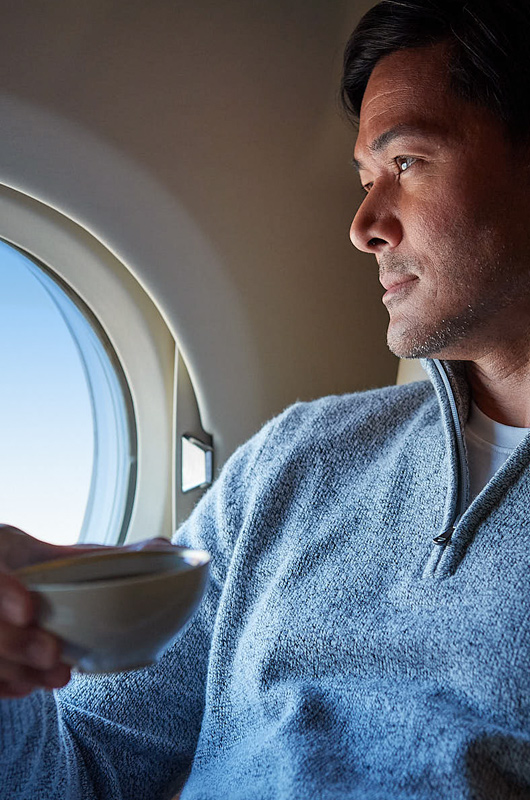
(489, 43)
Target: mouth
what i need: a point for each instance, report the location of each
(397, 285)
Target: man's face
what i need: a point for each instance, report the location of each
(446, 212)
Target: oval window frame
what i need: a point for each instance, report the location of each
(80, 262)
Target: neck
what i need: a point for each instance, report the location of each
(501, 389)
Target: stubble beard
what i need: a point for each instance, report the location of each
(423, 341)
(426, 340)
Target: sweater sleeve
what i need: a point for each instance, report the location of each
(133, 734)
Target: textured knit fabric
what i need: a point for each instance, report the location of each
(339, 652)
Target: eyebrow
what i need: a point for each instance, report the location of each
(383, 140)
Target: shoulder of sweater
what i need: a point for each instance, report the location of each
(338, 411)
(356, 415)
(307, 436)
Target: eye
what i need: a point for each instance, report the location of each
(367, 186)
(404, 162)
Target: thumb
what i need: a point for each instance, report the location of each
(18, 549)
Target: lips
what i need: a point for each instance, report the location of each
(394, 284)
(390, 282)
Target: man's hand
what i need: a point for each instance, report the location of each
(30, 658)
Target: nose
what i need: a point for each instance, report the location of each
(376, 226)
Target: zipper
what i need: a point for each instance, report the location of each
(444, 538)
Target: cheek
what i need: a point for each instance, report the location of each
(433, 222)
(449, 217)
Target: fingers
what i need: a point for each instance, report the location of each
(19, 549)
(27, 679)
(16, 603)
(26, 646)
(14, 690)
(29, 656)
(27, 682)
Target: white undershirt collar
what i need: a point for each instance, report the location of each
(489, 444)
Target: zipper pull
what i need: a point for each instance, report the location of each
(445, 536)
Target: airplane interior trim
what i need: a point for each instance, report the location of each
(147, 359)
(227, 202)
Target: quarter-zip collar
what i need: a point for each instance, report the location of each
(451, 386)
(452, 389)
(460, 522)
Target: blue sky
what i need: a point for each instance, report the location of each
(46, 429)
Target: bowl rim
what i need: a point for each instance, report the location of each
(200, 557)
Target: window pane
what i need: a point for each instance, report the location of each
(67, 439)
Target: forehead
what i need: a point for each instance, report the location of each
(411, 88)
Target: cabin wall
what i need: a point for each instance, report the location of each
(203, 144)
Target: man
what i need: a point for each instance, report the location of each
(366, 631)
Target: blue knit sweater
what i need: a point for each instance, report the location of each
(339, 652)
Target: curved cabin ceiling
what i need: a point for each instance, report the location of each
(212, 158)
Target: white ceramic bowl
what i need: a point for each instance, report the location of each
(118, 610)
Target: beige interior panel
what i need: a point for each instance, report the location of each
(202, 143)
(410, 370)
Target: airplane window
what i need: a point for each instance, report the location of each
(67, 430)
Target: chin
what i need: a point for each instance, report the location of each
(425, 342)
(450, 342)
(407, 346)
